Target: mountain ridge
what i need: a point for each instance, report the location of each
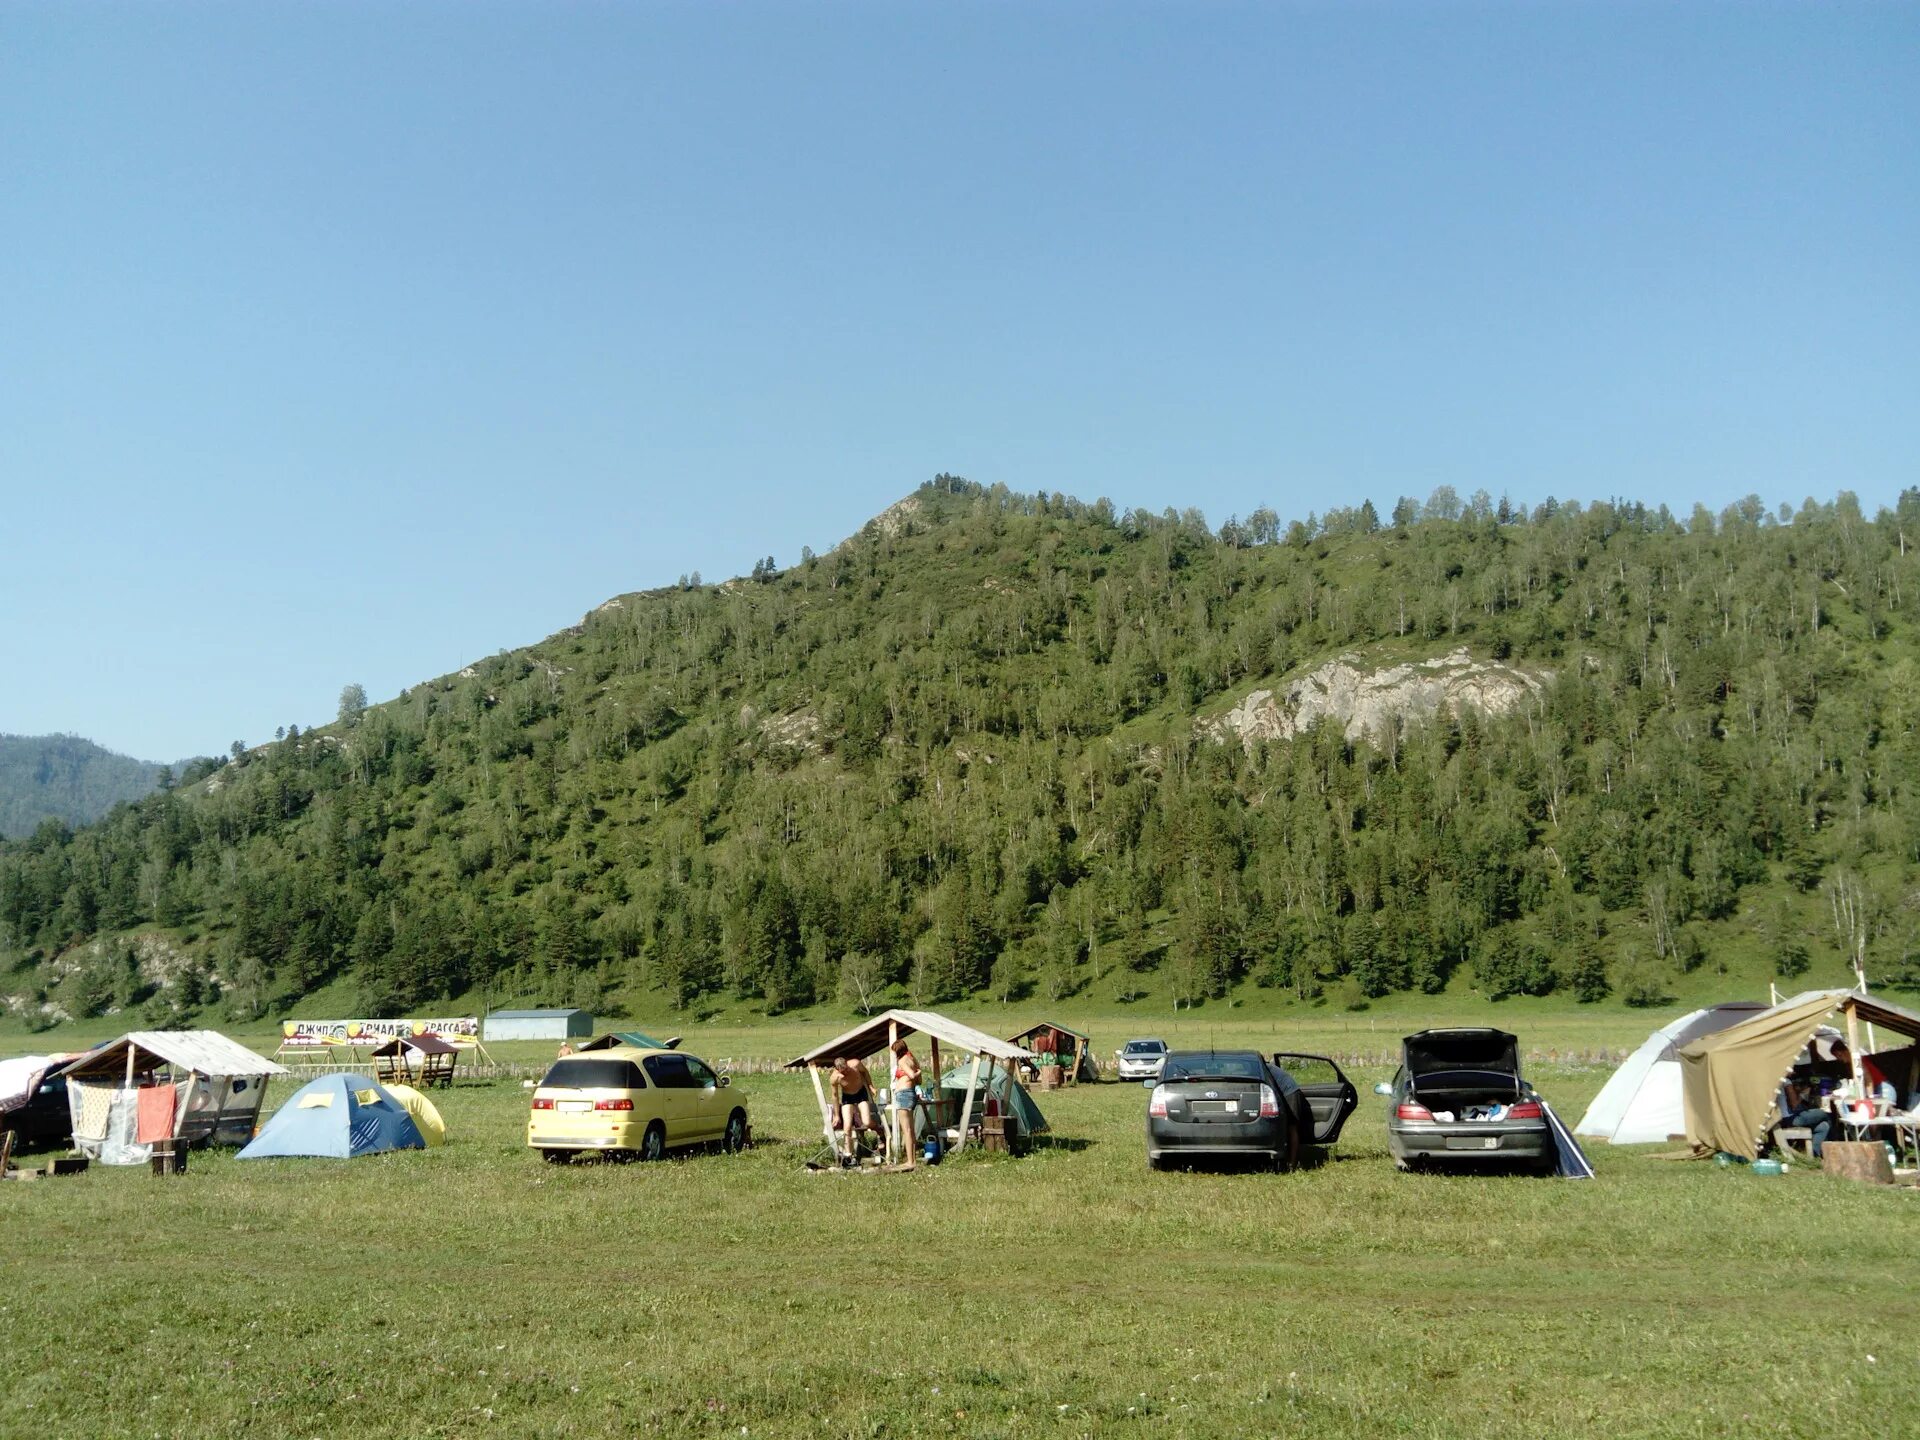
(65, 777)
(968, 754)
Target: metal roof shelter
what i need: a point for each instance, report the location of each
(878, 1034)
(557, 1024)
(199, 1052)
(220, 1084)
(1732, 1079)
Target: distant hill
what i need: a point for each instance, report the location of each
(998, 745)
(63, 777)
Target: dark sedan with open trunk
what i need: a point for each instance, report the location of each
(1459, 1098)
(1238, 1104)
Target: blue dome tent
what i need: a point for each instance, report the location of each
(337, 1117)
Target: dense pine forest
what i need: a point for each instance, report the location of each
(968, 752)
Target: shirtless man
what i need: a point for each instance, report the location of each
(852, 1085)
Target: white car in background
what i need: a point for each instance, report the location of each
(1141, 1059)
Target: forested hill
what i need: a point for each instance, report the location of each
(974, 749)
(62, 777)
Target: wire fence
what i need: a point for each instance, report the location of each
(1576, 1058)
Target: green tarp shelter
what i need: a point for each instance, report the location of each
(635, 1038)
(1003, 1087)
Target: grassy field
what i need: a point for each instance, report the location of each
(474, 1290)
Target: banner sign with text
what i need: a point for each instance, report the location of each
(302, 1034)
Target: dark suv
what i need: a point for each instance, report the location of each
(44, 1122)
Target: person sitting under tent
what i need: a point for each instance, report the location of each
(1801, 1105)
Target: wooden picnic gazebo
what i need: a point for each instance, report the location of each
(877, 1035)
(420, 1060)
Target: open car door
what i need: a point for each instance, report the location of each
(1329, 1094)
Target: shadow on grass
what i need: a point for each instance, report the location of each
(1071, 1144)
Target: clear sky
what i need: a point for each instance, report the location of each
(352, 341)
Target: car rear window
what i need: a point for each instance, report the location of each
(1214, 1067)
(583, 1074)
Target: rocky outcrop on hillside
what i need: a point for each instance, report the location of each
(1368, 702)
(797, 730)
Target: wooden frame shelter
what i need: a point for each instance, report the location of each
(1080, 1066)
(221, 1084)
(422, 1061)
(323, 1049)
(878, 1034)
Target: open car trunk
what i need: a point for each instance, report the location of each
(1464, 1074)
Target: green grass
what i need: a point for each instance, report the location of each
(473, 1290)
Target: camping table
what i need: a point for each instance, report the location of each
(1907, 1124)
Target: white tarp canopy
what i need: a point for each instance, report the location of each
(873, 1036)
(215, 1086)
(199, 1052)
(19, 1077)
(1641, 1103)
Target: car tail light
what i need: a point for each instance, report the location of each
(1411, 1110)
(1525, 1110)
(1158, 1104)
(1269, 1103)
(613, 1104)
(543, 1102)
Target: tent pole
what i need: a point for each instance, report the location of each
(826, 1115)
(966, 1108)
(182, 1098)
(1853, 1048)
(933, 1107)
(893, 1109)
(1873, 1041)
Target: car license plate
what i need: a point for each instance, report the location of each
(575, 1107)
(1473, 1142)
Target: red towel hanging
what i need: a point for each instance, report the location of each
(154, 1119)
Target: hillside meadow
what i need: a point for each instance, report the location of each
(475, 1290)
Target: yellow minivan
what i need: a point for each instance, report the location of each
(627, 1100)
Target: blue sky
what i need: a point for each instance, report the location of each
(352, 342)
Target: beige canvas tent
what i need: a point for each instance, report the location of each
(1732, 1080)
